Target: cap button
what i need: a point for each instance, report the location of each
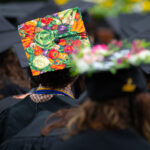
(56, 40)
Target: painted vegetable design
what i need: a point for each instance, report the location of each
(39, 38)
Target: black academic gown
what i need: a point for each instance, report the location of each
(30, 138)
(10, 89)
(104, 140)
(8, 102)
(17, 117)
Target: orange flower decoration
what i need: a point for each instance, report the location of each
(58, 67)
(38, 51)
(53, 54)
(55, 27)
(26, 41)
(77, 16)
(68, 49)
(29, 27)
(62, 42)
(35, 73)
(46, 20)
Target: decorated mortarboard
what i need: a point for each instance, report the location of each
(113, 70)
(50, 41)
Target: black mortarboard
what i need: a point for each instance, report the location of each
(16, 10)
(142, 29)
(146, 69)
(8, 39)
(19, 51)
(46, 9)
(143, 35)
(114, 24)
(5, 25)
(142, 25)
(126, 21)
(83, 5)
(103, 86)
(8, 35)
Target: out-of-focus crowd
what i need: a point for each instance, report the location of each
(75, 75)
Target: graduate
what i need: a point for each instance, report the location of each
(48, 43)
(116, 114)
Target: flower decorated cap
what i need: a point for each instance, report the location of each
(50, 41)
(116, 55)
(112, 70)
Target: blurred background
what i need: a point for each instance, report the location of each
(105, 20)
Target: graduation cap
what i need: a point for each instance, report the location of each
(112, 72)
(103, 86)
(8, 35)
(113, 22)
(19, 51)
(5, 26)
(126, 21)
(146, 69)
(143, 35)
(50, 41)
(83, 5)
(142, 29)
(15, 10)
(142, 25)
(47, 9)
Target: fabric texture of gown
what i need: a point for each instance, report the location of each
(104, 140)
(17, 117)
(30, 138)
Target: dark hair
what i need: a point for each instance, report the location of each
(79, 86)
(54, 79)
(11, 70)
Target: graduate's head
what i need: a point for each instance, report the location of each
(11, 71)
(55, 79)
(115, 114)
